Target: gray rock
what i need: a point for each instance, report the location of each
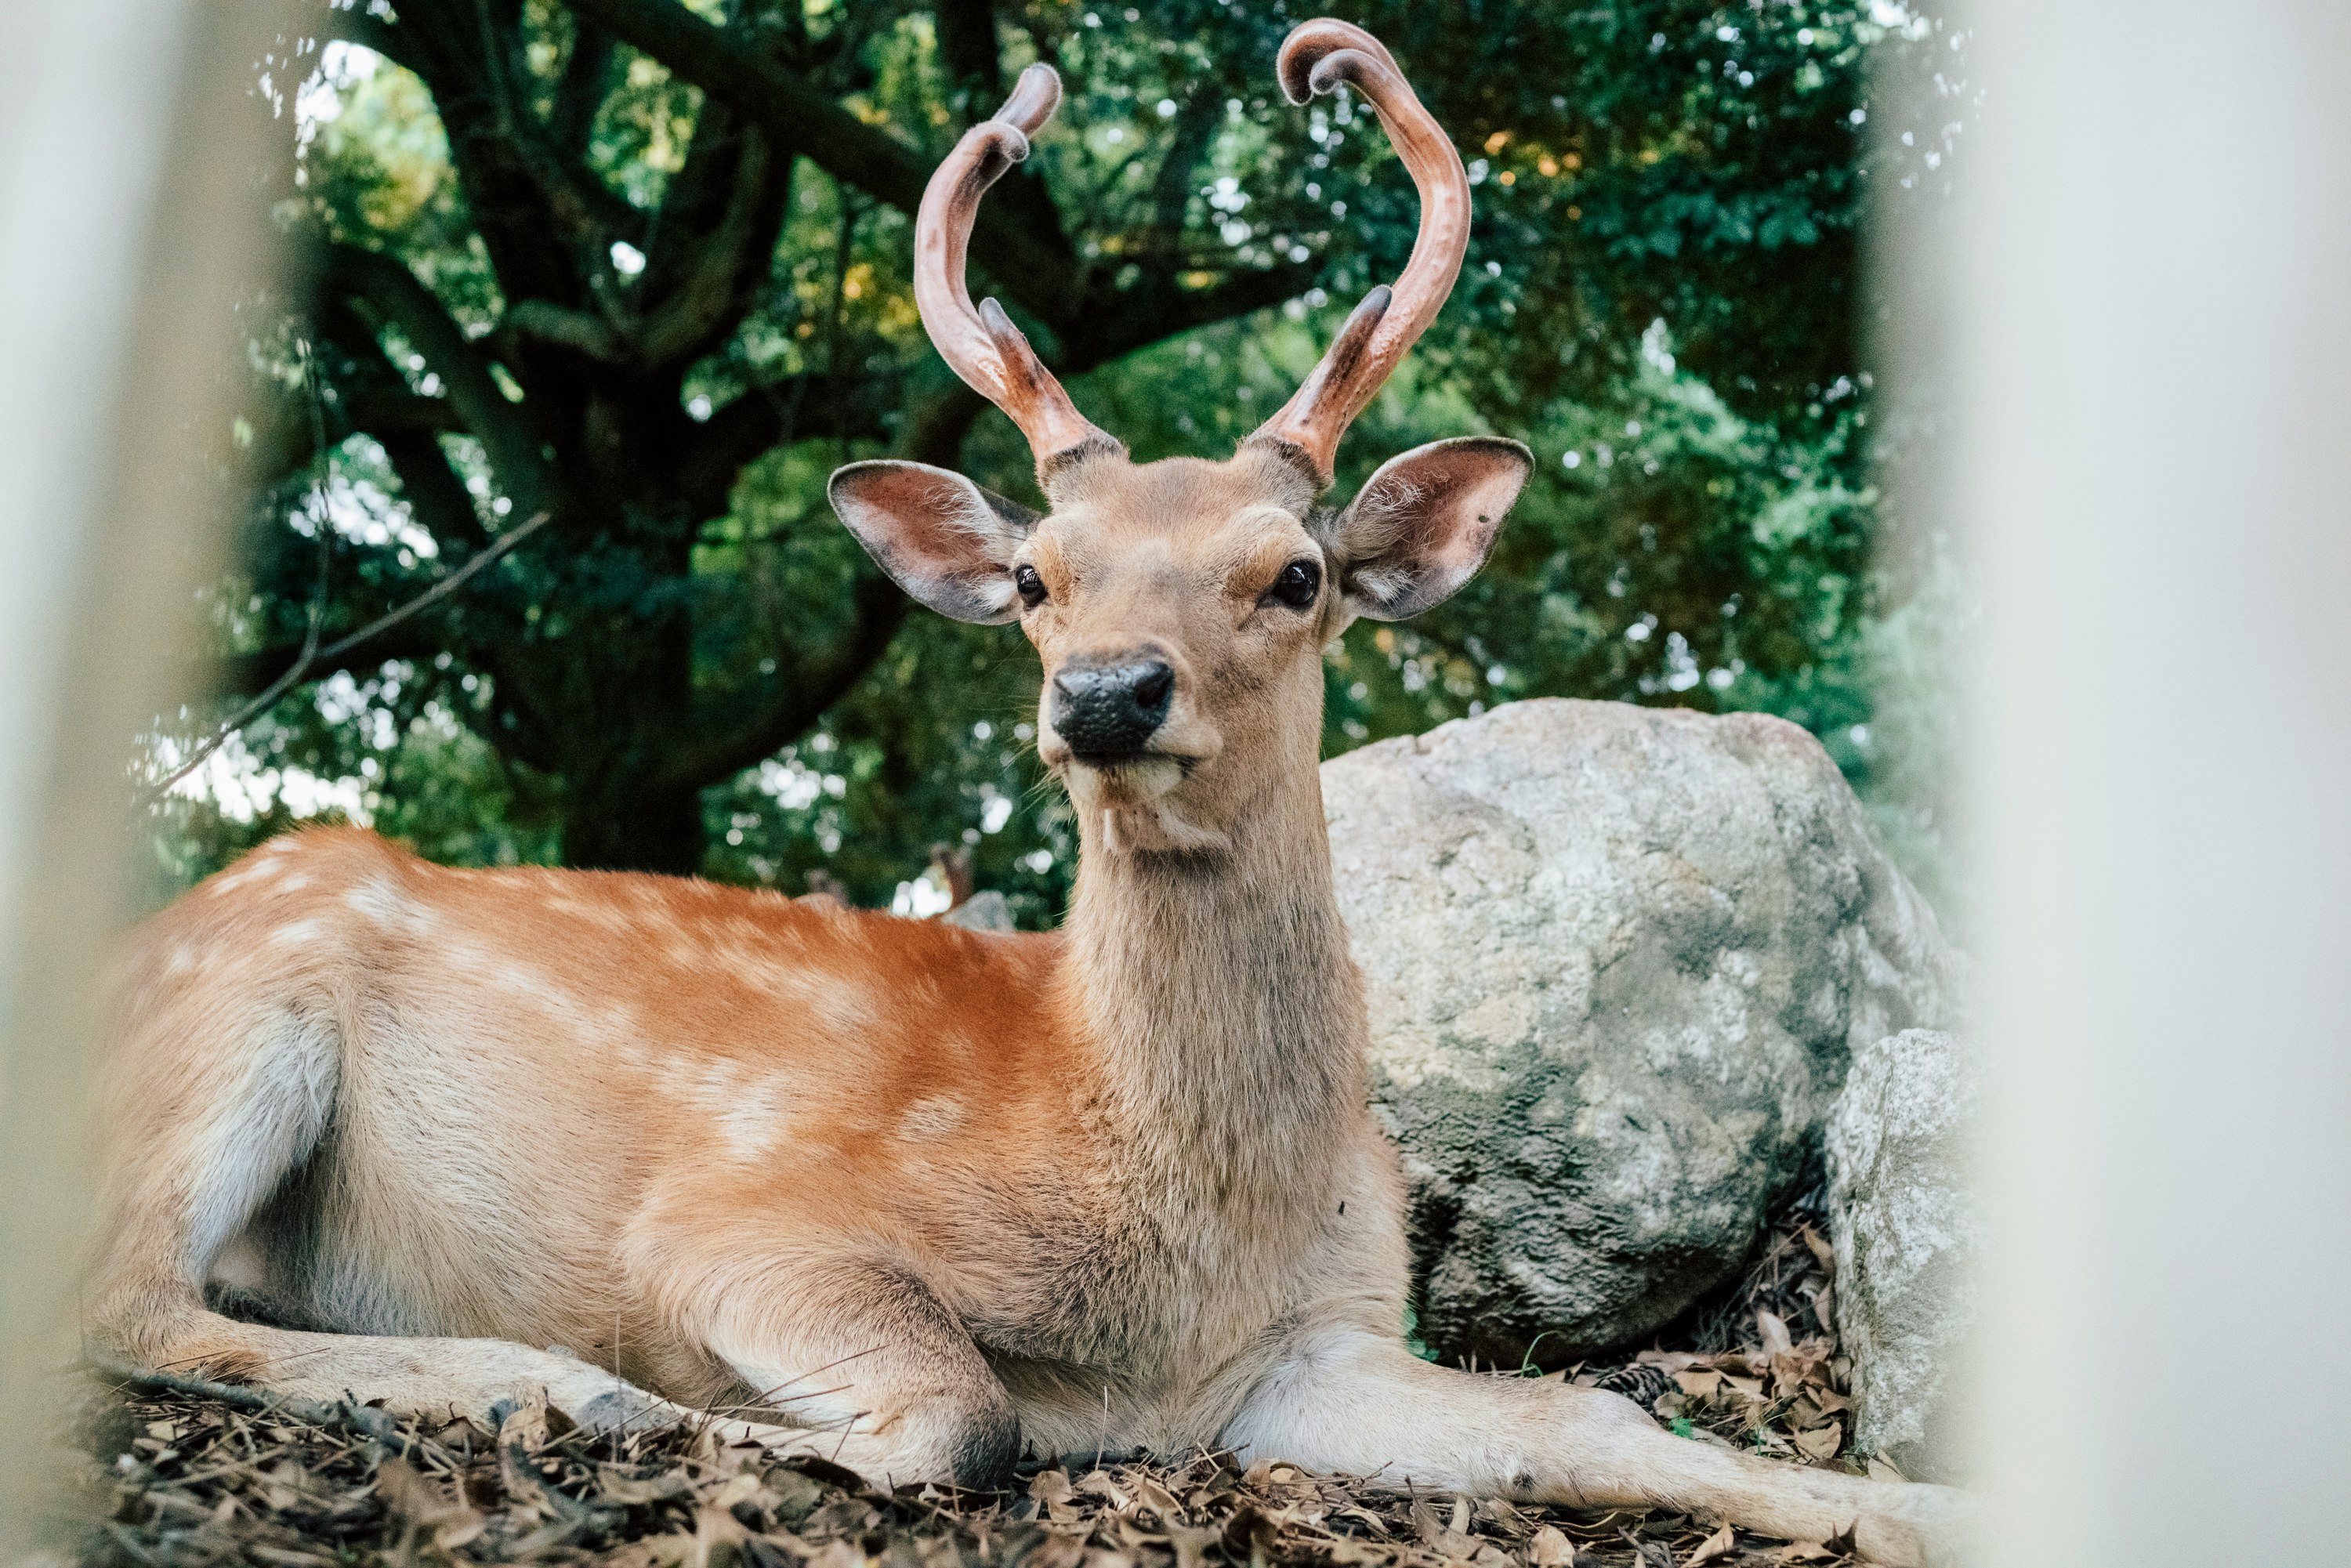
(1618, 959)
(985, 911)
(1907, 1235)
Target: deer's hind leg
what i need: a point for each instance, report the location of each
(216, 1105)
(1354, 1403)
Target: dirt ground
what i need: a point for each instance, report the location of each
(153, 1477)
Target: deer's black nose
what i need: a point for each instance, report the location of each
(1110, 710)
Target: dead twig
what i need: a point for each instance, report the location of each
(312, 654)
(365, 1418)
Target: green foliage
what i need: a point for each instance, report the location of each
(1660, 298)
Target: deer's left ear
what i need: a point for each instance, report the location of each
(1420, 527)
(946, 540)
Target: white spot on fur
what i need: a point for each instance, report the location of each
(298, 932)
(749, 1126)
(252, 868)
(531, 984)
(383, 902)
(746, 1110)
(933, 1117)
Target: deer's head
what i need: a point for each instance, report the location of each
(1181, 607)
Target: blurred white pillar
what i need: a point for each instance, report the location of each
(2154, 364)
(131, 219)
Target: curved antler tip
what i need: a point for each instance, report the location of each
(1034, 98)
(1339, 65)
(1307, 44)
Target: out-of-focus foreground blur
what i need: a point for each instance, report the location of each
(127, 237)
(2152, 343)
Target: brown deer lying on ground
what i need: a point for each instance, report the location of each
(915, 1196)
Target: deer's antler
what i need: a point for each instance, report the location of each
(982, 345)
(1315, 58)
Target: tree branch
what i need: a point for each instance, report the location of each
(376, 399)
(375, 640)
(398, 43)
(587, 79)
(735, 733)
(968, 48)
(1157, 307)
(264, 669)
(1031, 260)
(437, 497)
(577, 330)
(381, 411)
(704, 299)
(311, 655)
(767, 416)
(503, 430)
(520, 191)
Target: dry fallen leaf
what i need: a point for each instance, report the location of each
(741, 1487)
(1154, 1497)
(1056, 1498)
(617, 1485)
(450, 1522)
(1721, 1543)
(1191, 1544)
(1551, 1549)
(1699, 1384)
(1823, 1253)
(1821, 1442)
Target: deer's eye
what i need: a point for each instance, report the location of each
(1031, 586)
(1300, 581)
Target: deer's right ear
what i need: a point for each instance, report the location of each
(944, 540)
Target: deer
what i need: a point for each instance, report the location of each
(912, 1198)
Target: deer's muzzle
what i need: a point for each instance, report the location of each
(1107, 711)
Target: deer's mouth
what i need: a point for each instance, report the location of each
(1144, 774)
(1112, 761)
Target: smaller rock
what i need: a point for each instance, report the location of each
(988, 910)
(1906, 1234)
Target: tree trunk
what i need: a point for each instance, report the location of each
(614, 822)
(629, 681)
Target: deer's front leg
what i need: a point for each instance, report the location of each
(860, 1353)
(1356, 1403)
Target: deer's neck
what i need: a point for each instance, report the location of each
(1224, 1016)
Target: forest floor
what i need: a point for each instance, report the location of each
(154, 1477)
